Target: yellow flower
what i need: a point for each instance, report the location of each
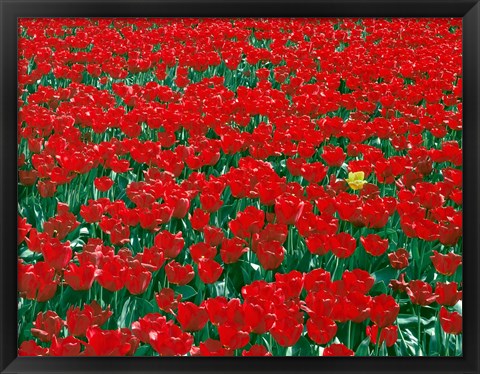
(356, 180)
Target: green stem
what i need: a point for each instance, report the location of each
(225, 291)
(419, 330)
(349, 334)
(377, 343)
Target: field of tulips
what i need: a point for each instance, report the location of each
(240, 187)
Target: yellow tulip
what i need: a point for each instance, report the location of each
(356, 180)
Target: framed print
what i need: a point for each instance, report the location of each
(240, 186)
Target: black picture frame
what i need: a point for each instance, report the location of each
(10, 10)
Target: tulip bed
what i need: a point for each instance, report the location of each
(242, 187)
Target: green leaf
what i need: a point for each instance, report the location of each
(132, 310)
(363, 348)
(302, 348)
(187, 292)
(385, 275)
(143, 350)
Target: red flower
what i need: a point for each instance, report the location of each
(286, 330)
(290, 283)
(47, 325)
(80, 277)
(232, 337)
(68, 346)
(31, 348)
(103, 184)
(321, 329)
(333, 156)
(199, 219)
(338, 350)
(270, 254)
(383, 310)
(374, 244)
(138, 278)
(23, 229)
(256, 350)
(191, 317)
(211, 347)
(358, 280)
(447, 293)
(388, 334)
(167, 301)
(91, 213)
(232, 249)
(399, 285)
(170, 244)
(107, 342)
(248, 222)
(446, 264)
(342, 245)
(399, 258)
(420, 293)
(178, 274)
(37, 282)
(57, 254)
(288, 209)
(314, 172)
(316, 244)
(451, 322)
(213, 235)
(209, 270)
(112, 274)
(79, 320)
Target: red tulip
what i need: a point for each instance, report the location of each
(80, 277)
(321, 329)
(256, 350)
(288, 209)
(333, 156)
(286, 331)
(31, 348)
(213, 235)
(178, 274)
(57, 254)
(447, 293)
(167, 301)
(209, 270)
(191, 317)
(170, 244)
(388, 334)
(451, 322)
(211, 347)
(383, 310)
(233, 338)
(290, 283)
(232, 249)
(47, 325)
(199, 219)
(68, 346)
(420, 293)
(374, 244)
(37, 282)
(338, 350)
(342, 245)
(270, 254)
(446, 264)
(107, 342)
(399, 258)
(23, 228)
(138, 278)
(112, 274)
(103, 184)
